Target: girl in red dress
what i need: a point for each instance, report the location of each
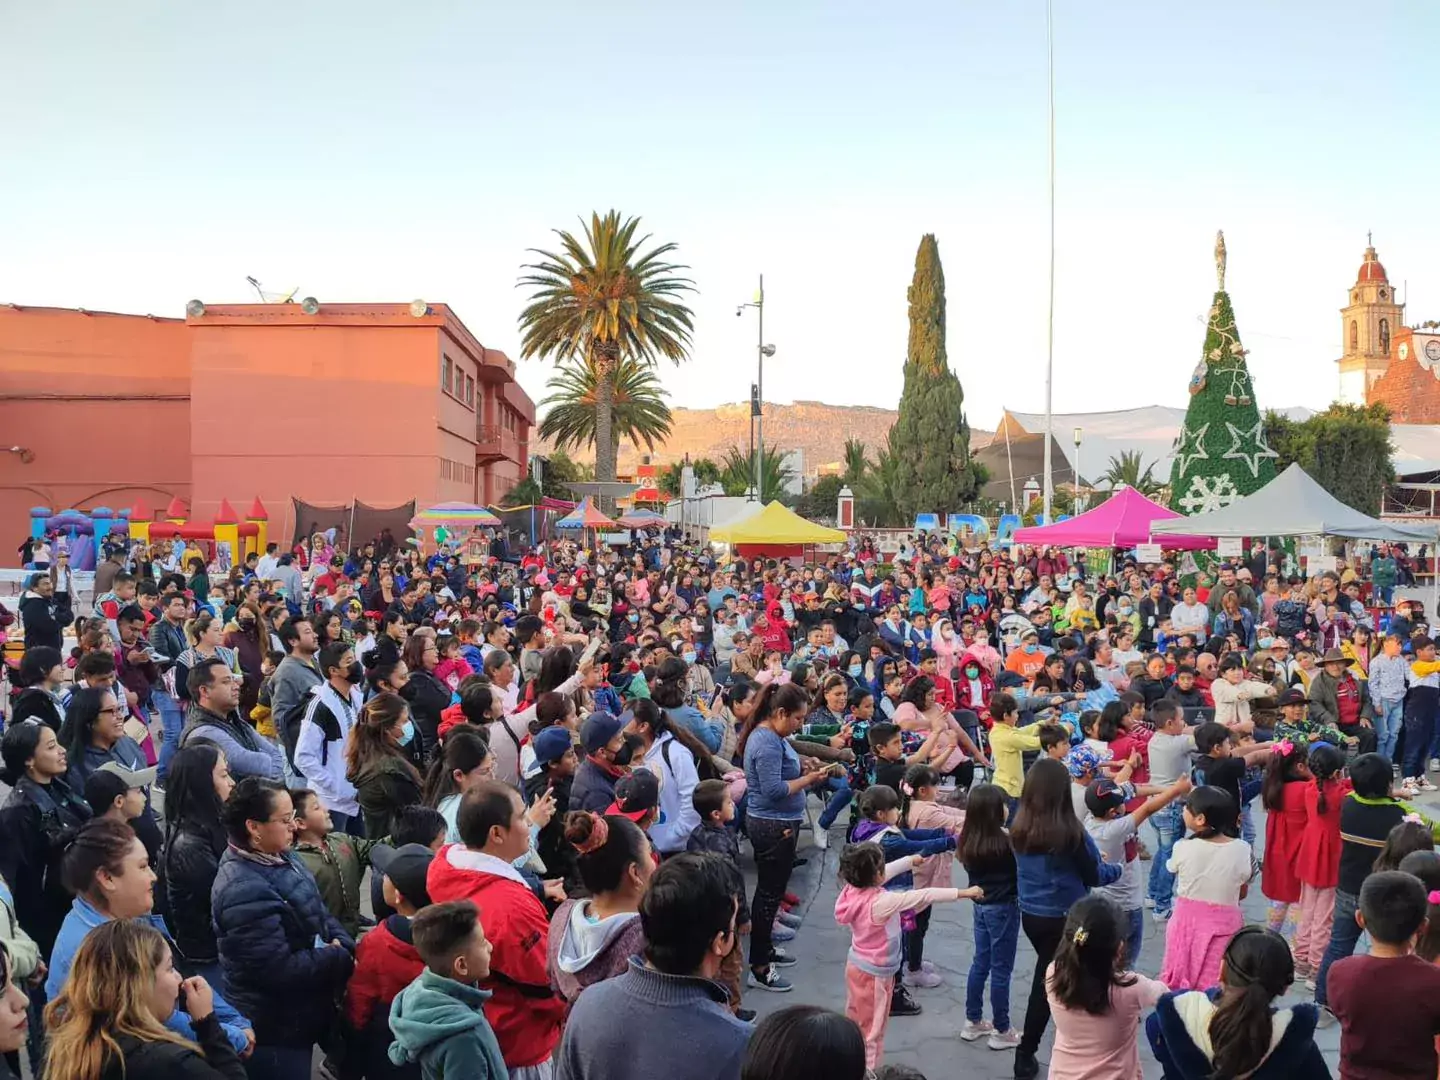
(1287, 775)
(1318, 866)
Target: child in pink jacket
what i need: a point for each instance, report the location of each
(873, 915)
(921, 811)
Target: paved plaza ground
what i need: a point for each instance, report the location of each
(931, 1042)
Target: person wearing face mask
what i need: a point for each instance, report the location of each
(1027, 660)
(384, 778)
(608, 754)
(332, 712)
(242, 638)
(974, 688)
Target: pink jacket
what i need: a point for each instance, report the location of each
(873, 916)
(935, 871)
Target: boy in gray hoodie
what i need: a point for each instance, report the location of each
(439, 1019)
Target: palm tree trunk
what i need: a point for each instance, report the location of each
(605, 448)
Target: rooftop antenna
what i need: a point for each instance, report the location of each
(271, 297)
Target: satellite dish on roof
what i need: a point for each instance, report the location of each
(194, 309)
(310, 306)
(419, 308)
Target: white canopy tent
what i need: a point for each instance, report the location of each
(1293, 504)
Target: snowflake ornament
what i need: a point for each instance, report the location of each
(1207, 493)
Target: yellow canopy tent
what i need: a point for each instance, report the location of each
(776, 525)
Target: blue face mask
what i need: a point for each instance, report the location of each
(1031, 647)
(407, 733)
(855, 670)
(688, 657)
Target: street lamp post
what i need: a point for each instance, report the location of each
(1079, 506)
(758, 408)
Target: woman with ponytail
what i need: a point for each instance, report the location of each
(681, 761)
(1234, 1030)
(775, 794)
(593, 940)
(464, 762)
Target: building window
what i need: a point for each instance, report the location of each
(1385, 336)
(1354, 335)
(470, 390)
(446, 370)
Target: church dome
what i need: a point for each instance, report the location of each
(1371, 269)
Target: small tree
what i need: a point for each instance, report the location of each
(559, 471)
(1345, 449)
(526, 493)
(737, 471)
(820, 502)
(1126, 469)
(856, 462)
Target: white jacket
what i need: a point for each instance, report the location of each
(320, 750)
(678, 816)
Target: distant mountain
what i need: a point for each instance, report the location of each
(816, 429)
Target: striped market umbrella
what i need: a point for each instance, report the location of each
(585, 516)
(455, 515)
(641, 519)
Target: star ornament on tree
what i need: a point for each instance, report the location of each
(1190, 449)
(1248, 445)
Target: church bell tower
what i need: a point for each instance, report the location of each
(1370, 320)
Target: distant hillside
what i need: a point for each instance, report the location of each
(817, 429)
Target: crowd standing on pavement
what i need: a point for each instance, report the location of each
(554, 766)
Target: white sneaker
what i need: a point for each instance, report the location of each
(927, 980)
(822, 837)
(1424, 784)
(1004, 1040)
(976, 1029)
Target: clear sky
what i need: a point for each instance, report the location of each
(154, 152)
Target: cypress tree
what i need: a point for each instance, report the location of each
(1221, 453)
(930, 442)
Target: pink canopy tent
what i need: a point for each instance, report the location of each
(1123, 520)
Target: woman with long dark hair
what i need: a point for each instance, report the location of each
(464, 762)
(245, 643)
(40, 818)
(1057, 864)
(196, 788)
(385, 780)
(427, 695)
(775, 814)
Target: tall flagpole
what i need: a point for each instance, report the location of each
(1050, 321)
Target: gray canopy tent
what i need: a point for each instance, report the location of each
(1293, 504)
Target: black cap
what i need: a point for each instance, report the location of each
(407, 867)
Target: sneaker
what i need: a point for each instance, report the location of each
(780, 932)
(1004, 1040)
(780, 958)
(1310, 983)
(822, 836)
(789, 918)
(976, 1029)
(1160, 915)
(1326, 1019)
(790, 900)
(801, 861)
(927, 980)
(902, 1004)
(1303, 972)
(771, 980)
(1026, 1067)
(1424, 784)
(926, 965)
(745, 1015)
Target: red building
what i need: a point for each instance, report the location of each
(370, 403)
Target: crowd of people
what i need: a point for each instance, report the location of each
(405, 816)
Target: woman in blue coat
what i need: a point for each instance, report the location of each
(286, 959)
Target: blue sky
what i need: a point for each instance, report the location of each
(375, 151)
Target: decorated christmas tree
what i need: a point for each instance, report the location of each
(1221, 453)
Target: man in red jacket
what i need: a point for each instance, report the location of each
(524, 1011)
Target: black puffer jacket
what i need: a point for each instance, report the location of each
(191, 860)
(167, 1061)
(41, 619)
(35, 703)
(267, 919)
(428, 698)
(37, 824)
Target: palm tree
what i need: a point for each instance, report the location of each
(638, 410)
(1126, 470)
(875, 494)
(601, 300)
(706, 473)
(856, 463)
(737, 471)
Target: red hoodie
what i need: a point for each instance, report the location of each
(384, 965)
(524, 1011)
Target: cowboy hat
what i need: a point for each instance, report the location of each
(1334, 656)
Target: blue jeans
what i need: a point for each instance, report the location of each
(1419, 729)
(1344, 934)
(1389, 716)
(1134, 937)
(1169, 825)
(997, 933)
(172, 721)
(839, 789)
